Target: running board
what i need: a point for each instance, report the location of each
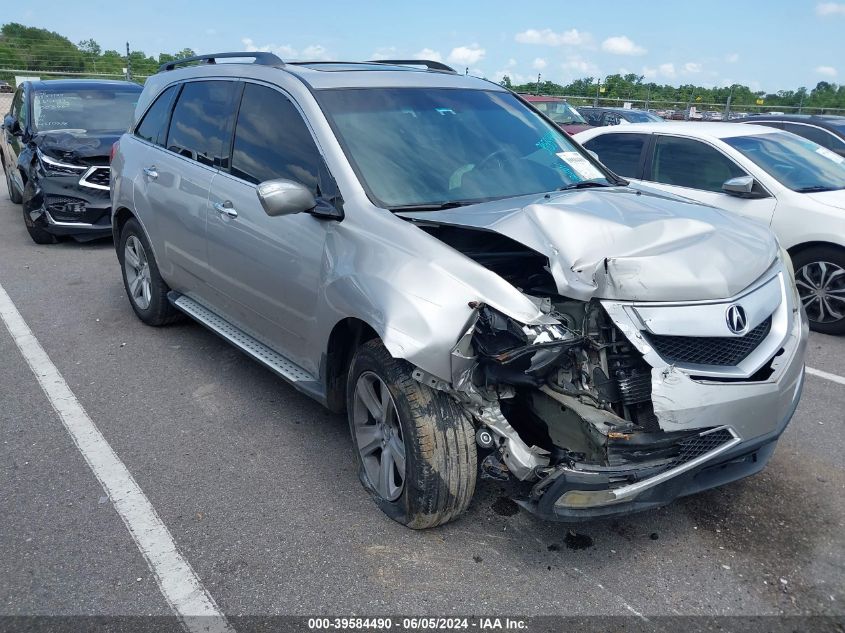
(249, 345)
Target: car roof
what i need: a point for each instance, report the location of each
(612, 109)
(698, 129)
(82, 84)
(323, 75)
(817, 119)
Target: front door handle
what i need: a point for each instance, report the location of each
(151, 172)
(225, 208)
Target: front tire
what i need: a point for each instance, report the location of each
(144, 286)
(38, 234)
(14, 195)
(820, 277)
(414, 447)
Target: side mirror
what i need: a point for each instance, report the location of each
(741, 186)
(285, 197)
(11, 124)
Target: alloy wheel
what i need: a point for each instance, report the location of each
(137, 270)
(821, 286)
(378, 436)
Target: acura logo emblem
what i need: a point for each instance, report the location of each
(737, 319)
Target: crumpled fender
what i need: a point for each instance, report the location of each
(33, 194)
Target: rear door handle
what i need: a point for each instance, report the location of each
(225, 208)
(151, 172)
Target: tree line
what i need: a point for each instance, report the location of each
(39, 50)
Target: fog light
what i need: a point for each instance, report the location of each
(588, 499)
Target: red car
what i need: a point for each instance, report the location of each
(558, 110)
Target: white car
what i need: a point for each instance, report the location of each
(769, 175)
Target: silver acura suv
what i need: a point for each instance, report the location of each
(428, 253)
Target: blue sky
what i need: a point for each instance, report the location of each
(766, 45)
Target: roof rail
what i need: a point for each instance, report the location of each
(260, 57)
(431, 65)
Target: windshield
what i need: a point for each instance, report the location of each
(92, 111)
(794, 161)
(560, 112)
(429, 147)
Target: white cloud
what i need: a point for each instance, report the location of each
(732, 58)
(516, 78)
(827, 71)
(622, 45)
(467, 55)
(429, 54)
(692, 67)
(667, 70)
(649, 73)
(315, 52)
(539, 63)
(547, 37)
(830, 8)
(511, 63)
(576, 64)
(285, 51)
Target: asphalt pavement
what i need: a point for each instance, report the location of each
(257, 486)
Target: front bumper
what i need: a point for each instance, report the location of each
(750, 413)
(60, 205)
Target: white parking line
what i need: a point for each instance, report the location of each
(180, 585)
(827, 376)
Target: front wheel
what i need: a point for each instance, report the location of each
(414, 447)
(820, 278)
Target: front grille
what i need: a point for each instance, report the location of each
(65, 208)
(709, 350)
(693, 447)
(100, 176)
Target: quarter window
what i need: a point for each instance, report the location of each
(620, 152)
(272, 141)
(201, 122)
(153, 127)
(689, 163)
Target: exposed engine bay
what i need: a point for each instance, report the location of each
(569, 393)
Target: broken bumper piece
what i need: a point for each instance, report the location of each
(579, 493)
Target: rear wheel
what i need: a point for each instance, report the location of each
(414, 447)
(820, 278)
(145, 288)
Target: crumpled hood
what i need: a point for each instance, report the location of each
(621, 243)
(85, 149)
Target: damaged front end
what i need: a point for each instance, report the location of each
(567, 405)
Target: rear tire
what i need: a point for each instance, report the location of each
(14, 195)
(438, 454)
(144, 286)
(820, 277)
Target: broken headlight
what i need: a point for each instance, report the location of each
(53, 166)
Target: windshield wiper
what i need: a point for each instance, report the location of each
(432, 207)
(585, 184)
(815, 188)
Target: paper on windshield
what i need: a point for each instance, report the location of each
(581, 165)
(836, 158)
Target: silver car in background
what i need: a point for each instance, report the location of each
(430, 254)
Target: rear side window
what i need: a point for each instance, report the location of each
(817, 135)
(272, 140)
(689, 163)
(153, 127)
(201, 121)
(620, 152)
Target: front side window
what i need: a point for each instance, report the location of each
(793, 161)
(101, 110)
(817, 135)
(272, 140)
(690, 163)
(435, 146)
(201, 122)
(153, 127)
(620, 152)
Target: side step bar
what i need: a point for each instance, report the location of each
(249, 345)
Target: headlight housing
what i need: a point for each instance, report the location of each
(57, 167)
